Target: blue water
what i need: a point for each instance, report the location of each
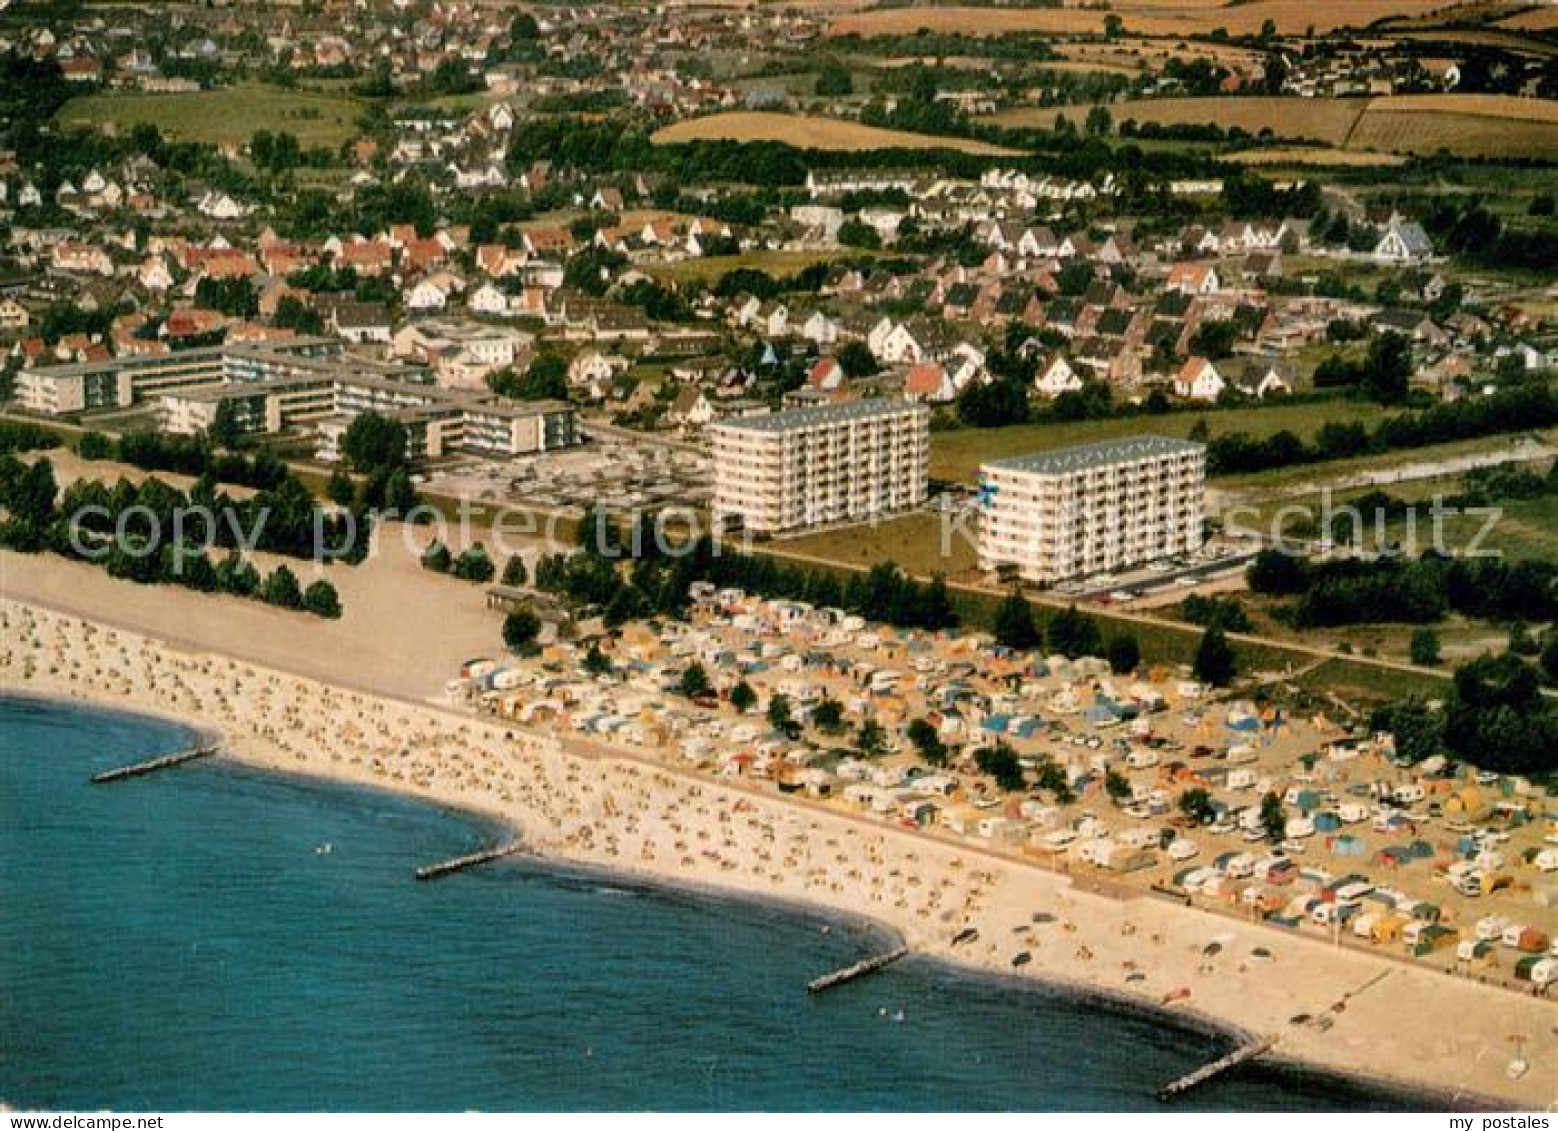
(175, 942)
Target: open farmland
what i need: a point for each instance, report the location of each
(1360, 131)
(226, 115)
(812, 133)
(1291, 17)
(1327, 120)
(1132, 55)
(1536, 19)
(1517, 41)
(1319, 157)
(1467, 125)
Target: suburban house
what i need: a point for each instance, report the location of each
(1199, 380)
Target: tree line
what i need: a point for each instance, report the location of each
(126, 530)
(1517, 408)
(1396, 590)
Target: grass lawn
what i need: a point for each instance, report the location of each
(914, 542)
(956, 454)
(1368, 683)
(228, 114)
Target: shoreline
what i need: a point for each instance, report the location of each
(251, 750)
(875, 933)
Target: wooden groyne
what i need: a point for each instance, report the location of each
(1207, 1071)
(151, 766)
(460, 863)
(858, 970)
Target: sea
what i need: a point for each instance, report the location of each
(214, 938)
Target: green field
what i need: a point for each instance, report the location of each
(913, 542)
(956, 454)
(228, 114)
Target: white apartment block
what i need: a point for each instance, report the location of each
(805, 467)
(1092, 508)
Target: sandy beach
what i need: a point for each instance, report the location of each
(596, 805)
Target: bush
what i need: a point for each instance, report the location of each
(281, 589)
(94, 445)
(1424, 648)
(520, 629)
(474, 564)
(437, 557)
(321, 599)
(1215, 662)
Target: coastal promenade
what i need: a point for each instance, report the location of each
(1425, 1031)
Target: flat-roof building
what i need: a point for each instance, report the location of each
(305, 383)
(1092, 508)
(804, 467)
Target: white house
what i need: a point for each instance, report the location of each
(819, 328)
(1263, 383)
(892, 343)
(1404, 242)
(489, 299)
(594, 366)
(428, 295)
(1199, 380)
(691, 407)
(220, 206)
(1056, 376)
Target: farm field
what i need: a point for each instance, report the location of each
(1327, 120)
(1467, 125)
(1317, 157)
(228, 114)
(956, 454)
(1290, 16)
(1470, 125)
(1516, 41)
(812, 133)
(1537, 19)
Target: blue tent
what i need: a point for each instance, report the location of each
(1327, 823)
(996, 724)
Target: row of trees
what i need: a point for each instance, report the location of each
(186, 455)
(130, 531)
(1422, 591)
(659, 581)
(472, 564)
(1513, 409)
